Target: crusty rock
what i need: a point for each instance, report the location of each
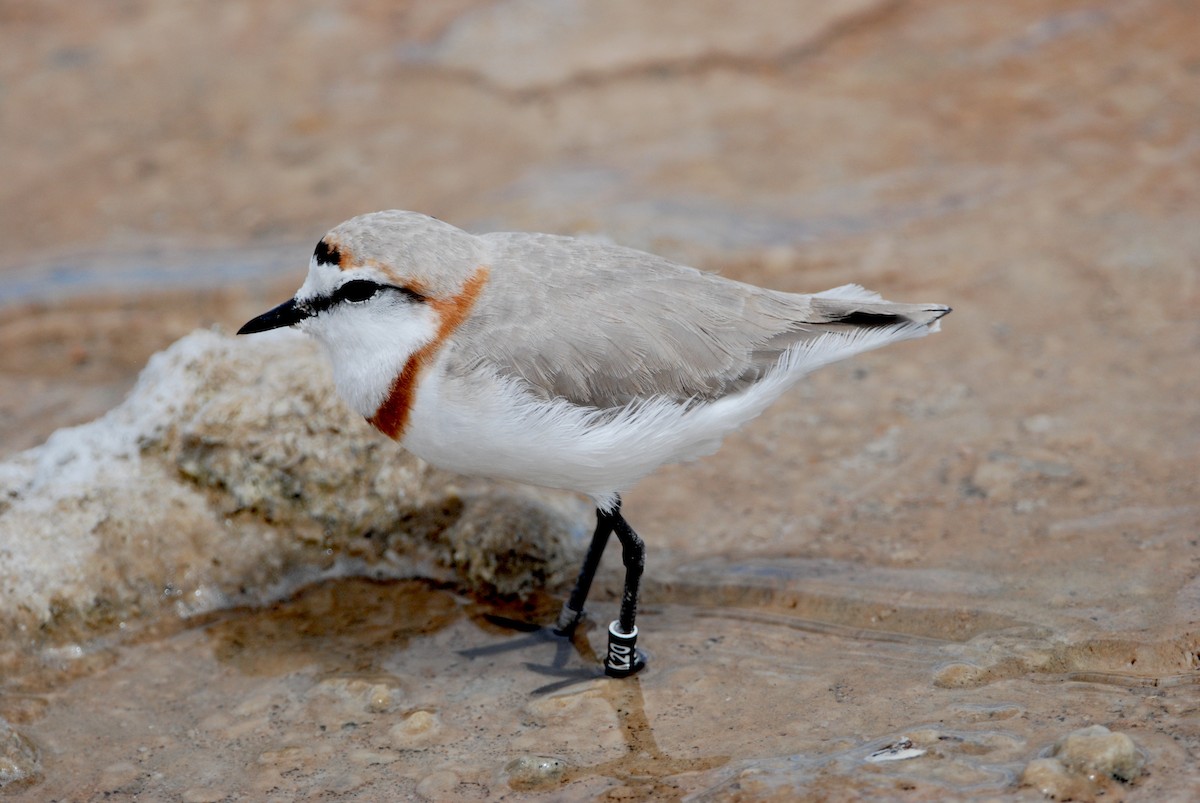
(232, 473)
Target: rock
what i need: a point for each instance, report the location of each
(19, 761)
(1083, 765)
(1053, 780)
(232, 474)
(1097, 751)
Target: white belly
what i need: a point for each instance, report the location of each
(490, 427)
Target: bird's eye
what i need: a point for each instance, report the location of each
(357, 290)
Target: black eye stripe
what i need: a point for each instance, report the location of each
(357, 291)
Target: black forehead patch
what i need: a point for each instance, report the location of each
(326, 255)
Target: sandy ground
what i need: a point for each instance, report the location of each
(978, 542)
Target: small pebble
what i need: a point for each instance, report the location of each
(415, 730)
(528, 772)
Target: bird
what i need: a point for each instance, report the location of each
(564, 362)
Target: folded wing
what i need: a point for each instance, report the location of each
(619, 325)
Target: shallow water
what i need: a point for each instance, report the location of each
(380, 690)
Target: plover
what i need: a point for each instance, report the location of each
(564, 362)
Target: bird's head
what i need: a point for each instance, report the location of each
(381, 288)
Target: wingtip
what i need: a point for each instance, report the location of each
(935, 312)
(939, 311)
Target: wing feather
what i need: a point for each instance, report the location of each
(603, 326)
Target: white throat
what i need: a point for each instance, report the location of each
(369, 347)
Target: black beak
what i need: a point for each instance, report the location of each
(289, 313)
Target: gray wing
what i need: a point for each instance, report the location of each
(601, 325)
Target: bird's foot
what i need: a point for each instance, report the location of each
(623, 658)
(568, 620)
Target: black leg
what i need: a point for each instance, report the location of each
(623, 658)
(572, 610)
(633, 555)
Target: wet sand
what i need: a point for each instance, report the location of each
(978, 542)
